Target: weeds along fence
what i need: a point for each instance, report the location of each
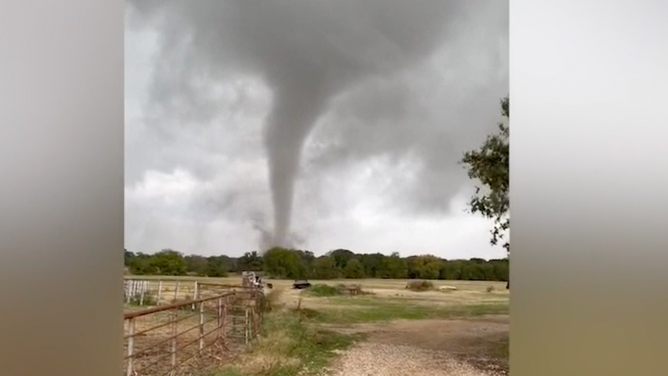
(191, 336)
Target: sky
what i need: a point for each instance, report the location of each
(311, 124)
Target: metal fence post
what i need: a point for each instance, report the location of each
(175, 316)
(141, 296)
(256, 324)
(130, 289)
(176, 291)
(201, 326)
(224, 319)
(219, 316)
(126, 289)
(246, 326)
(195, 293)
(131, 332)
(159, 292)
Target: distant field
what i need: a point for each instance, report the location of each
(468, 292)
(367, 283)
(386, 299)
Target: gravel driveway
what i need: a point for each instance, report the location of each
(426, 348)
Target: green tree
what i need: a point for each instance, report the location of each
(127, 257)
(410, 267)
(325, 268)
(393, 267)
(354, 269)
(283, 263)
(217, 266)
(371, 264)
(250, 261)
(168, 262)
(233, 264)
(500, 269)
(450, 270)
(341, 257)
(307, 259)
(427, 267)
(141, 264)
(489, 165)
(196, 265)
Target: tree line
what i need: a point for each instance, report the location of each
(282, 263)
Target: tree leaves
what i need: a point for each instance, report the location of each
(489, 166)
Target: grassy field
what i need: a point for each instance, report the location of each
(467, 291)
(304, 332)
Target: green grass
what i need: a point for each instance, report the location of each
(322, 290)
(292, 346)
(367, 310)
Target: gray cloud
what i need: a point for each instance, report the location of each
(330, 84)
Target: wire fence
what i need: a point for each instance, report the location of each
(192, 336)
(154, 292)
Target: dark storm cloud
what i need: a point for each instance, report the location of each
(360, 69)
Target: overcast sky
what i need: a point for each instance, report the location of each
(314, 124)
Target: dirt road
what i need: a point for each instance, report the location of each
(471, 347)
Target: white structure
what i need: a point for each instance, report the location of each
(249, 279)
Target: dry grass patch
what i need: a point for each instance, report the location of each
(270, 353)
(274, 299)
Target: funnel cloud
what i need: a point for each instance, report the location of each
(333, 88)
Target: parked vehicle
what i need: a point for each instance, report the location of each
(301, 284)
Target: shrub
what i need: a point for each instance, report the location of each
(323, 290)
(420, 285)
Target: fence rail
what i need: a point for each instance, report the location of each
(182, 337)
